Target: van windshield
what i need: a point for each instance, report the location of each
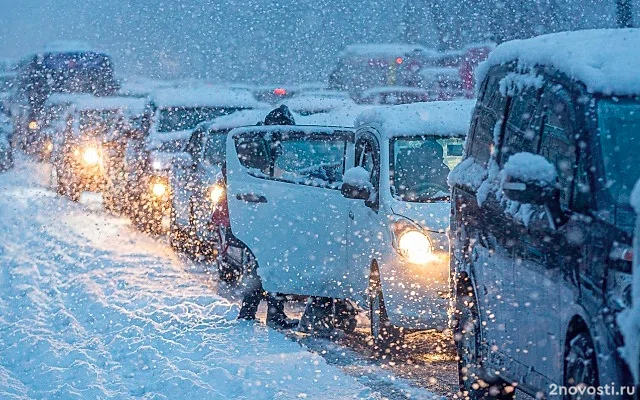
(420, 165)
(172, 119)
(619, 124)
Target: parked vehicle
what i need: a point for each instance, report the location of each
(366, 66)
(175, 114)
(541, 223)
(382, 222)
(199, 190)
(305, 105)
(393, 95)
(60, 68)
(6, 150)
(79, 162)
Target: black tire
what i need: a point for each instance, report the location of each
(345, 316)
(580, 365)
(468, 340)
(387, 338)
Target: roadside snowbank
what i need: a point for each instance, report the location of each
(91, 309)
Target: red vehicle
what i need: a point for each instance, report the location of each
(474, 55)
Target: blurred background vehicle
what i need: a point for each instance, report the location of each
(6, 150)
(393, 95)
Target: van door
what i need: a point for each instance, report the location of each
(364, 231)
(285, 205)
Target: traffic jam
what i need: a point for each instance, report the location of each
(448, 224)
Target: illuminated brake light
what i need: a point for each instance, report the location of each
(280, 91)
(399, 60)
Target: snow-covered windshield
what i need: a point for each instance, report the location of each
(316, 162)
(172, 119)
(420, 166)
(619, 125)
(97, 121)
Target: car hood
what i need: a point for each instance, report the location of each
(431, 216)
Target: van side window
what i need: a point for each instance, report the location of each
(488, 112)
(253, 154)
(522, 131)
(556, 144)
(316, 160)
(368, 157)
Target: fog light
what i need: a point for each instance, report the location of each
(33, 125)
(159, 189)
(415, 246)
(90, 156)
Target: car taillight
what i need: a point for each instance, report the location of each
(622, 253)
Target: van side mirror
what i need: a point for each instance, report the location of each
(356, 184)
(529, 179)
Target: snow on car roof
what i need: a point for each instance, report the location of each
(344, 116)
(238, 119)
(602, 59)
(312, 103)
(132, 105)
(392, 89)
(437, 118)
(384, 49)
(204, 97)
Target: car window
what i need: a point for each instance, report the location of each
(556, 144)
(194, 147)
(368, 157)
(522, 130)
(215, 149)
(315, 161)
(487, 114)
(253, 154)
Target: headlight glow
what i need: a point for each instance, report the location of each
(156, 165)
(33, 125)
(159, 189)
(91, 156)
(215, 193)
(411, 242)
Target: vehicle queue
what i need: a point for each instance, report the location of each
(518, 236)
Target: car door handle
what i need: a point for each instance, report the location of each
(251, 198)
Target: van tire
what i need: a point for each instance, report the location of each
(387, 338)
(580, 363)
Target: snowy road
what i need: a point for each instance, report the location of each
(91, 309)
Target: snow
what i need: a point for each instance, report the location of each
(437, 118)
(599, 58)
(238, 119)
(128, 105)
(313, 104)
(68, 46)
(91, 309)
(203, 97)
(344, 116)
(157, 140)
(358, 177)
(527, 168)
(468, 174)
(515, 83)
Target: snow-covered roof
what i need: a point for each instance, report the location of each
(385, 49)
(67, 46)
(392, 89)
(605, 60)
(437, 118)
(204, 97)
(238, 119)
(302, 104)
(130, 105)
(344, 116)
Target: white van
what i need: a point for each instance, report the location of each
(377, 233)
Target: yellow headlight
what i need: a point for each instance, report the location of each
(33, 125)
(415, 246)
(159, 189)
(215, 193)
(91, 156)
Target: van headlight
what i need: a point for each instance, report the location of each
(216, 193)
(411, 242)
(90, 155)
